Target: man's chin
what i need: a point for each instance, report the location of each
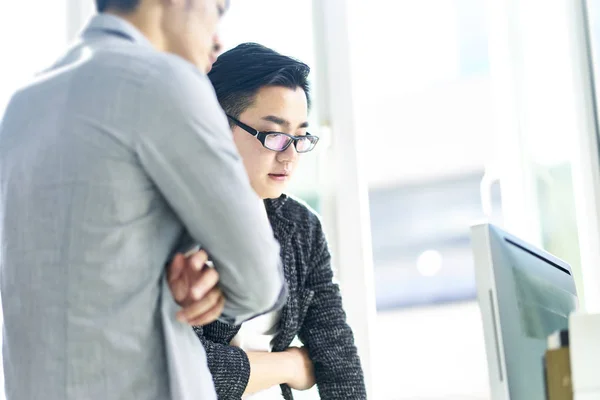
(270, 189)
(271, 194)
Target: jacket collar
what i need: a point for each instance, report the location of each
(109, 24)
(284, 230)
(275, 205)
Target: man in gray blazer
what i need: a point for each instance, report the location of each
(107, 160)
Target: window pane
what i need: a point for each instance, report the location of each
(425, 113)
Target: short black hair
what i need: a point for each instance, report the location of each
(238, 74)
(120, 5)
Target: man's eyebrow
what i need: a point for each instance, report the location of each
(283, 122)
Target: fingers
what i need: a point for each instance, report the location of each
(177, 279)
(179, 288)
(197, 260)
(205, 282)
(181, 272)
(203, 309)
(211, 315)
(176, 267)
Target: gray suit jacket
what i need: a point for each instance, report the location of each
(106, 160)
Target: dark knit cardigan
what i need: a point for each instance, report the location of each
(313, 311)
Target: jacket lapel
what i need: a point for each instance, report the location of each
(289, 313)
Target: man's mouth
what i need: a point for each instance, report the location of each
(279, 176)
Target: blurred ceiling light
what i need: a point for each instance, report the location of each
(430, 263)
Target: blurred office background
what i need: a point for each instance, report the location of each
(434, 114)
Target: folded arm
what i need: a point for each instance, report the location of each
(237, 373)
(184, 144)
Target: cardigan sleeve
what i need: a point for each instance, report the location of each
(327, 336)
(229, 366)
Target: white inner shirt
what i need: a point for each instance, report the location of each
(257, 335)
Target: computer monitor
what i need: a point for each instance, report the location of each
(524, 294)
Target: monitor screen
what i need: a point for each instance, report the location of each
(525, 294)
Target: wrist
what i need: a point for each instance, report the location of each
(289, 363)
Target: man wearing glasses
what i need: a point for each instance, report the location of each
(266, 98)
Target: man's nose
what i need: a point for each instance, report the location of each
(217, 45)
(288, 154)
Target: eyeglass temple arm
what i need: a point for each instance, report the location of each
(242, 125)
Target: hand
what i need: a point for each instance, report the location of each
(302, 374)
(194, 287)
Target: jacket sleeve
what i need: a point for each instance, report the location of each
(185, 146)
(327, 336)
(229, 366)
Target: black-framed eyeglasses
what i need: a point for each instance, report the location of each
(279, 141)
